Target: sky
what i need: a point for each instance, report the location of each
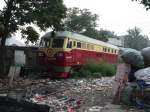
(114, 15)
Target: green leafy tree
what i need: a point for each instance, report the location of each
(93, 33)
(30, 35)
(80, 21)
(101, 34)
(85, 22)
(105, 34)
(134, 39)
(43, 13)
(146, 3)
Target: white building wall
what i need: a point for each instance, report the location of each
(117, 41)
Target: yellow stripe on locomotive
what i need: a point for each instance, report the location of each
(53, 45)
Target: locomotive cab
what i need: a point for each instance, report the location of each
(54, 54)
(53, 46)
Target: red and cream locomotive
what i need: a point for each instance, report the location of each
(60, 51)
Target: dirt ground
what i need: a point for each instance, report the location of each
(66, 95)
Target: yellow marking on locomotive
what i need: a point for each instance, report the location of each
(50, 52)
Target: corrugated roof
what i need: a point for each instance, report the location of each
(79, 37)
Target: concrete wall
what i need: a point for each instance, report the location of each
(30, 54)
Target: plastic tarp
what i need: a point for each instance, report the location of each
(132, 57)
(143, 74)
(146, 55)
(126, 95)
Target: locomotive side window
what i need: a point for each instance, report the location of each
(47, 43)
(78, 44)
(74, 43)
(108, 50)
(42, 43)
(69, 44)
(57, 43)
(105, 49)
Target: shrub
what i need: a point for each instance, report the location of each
(80, 73)
(92, 69)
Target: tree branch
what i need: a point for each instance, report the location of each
(6, 2)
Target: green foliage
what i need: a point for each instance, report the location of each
(102, 34)
(104, 68)
(81, 73)
(95, 70)
(105, 34)
(93, 33)
(30, 35)
(43, 13)
(146, 3)
(80, 20)
(85, 22)
(135, 40)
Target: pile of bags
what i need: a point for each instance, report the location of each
(146, 55)
(140, 72)
(143, 74)
(138, 59)
(132, 57)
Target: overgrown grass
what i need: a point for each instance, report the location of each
(94, 70)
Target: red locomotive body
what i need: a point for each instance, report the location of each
(64, 50)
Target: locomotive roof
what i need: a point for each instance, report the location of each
(78, 37)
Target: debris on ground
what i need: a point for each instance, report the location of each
(65, 95)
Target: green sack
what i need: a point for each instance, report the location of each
(132, 57)
(126, 94)
(146, 56)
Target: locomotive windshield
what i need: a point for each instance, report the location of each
(42, 43)
(54, 43)
(45, 43)
(57, 43)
